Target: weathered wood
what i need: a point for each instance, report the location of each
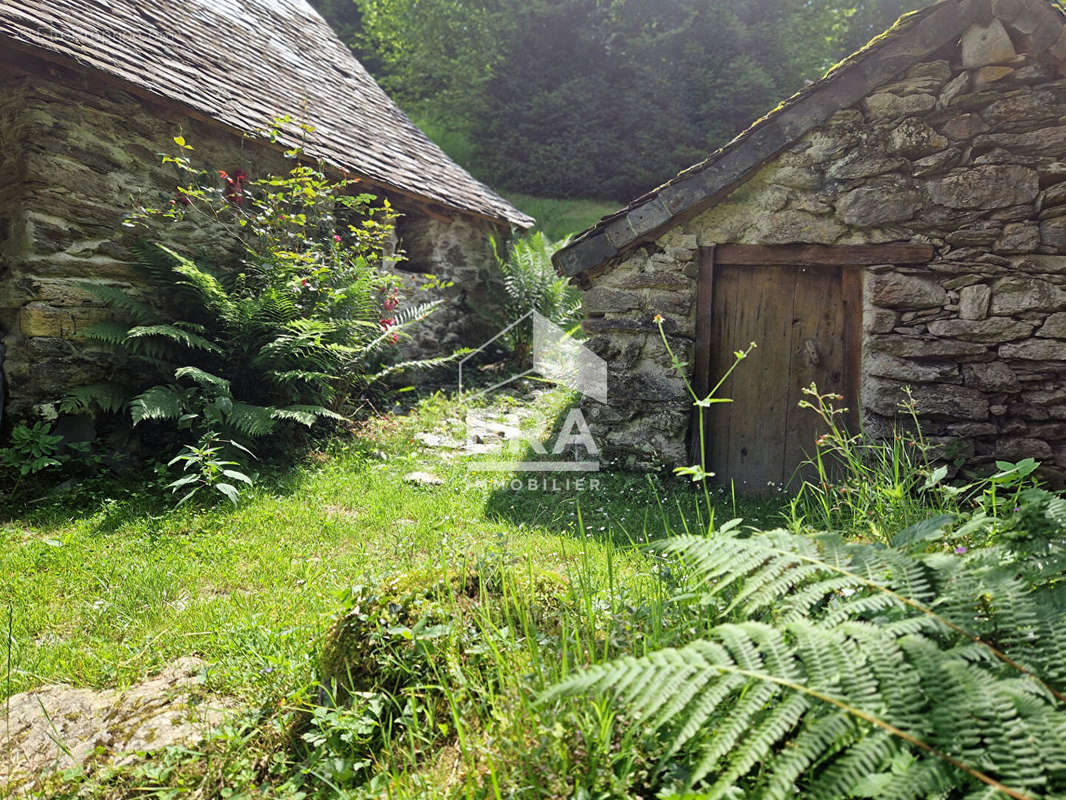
(704, 310)
(748, 436)
(826, 340)
(816, 255)
(806, 323)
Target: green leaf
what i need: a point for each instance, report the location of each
(157, 403)
(175, 334)
(187, 497)
(924, 531)
(935, 478)
(183, 481)
(202, 378)
(237, 476)
(229, 490)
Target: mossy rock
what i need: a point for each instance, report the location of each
(398, 630)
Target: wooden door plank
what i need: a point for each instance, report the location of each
(717, 418)
(704, 311)
(750, 433)
(851, 290)
(818, 357)
(799, 255)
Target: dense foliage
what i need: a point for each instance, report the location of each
(531, 284)
(289, 318)
(569, 98)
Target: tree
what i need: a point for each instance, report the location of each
(599, 98)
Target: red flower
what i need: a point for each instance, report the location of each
(336, 237)
(234, 191)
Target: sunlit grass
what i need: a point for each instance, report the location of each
(105, 597)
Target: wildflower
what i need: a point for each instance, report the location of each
(657, 319)
(961, 551)
(337, 237)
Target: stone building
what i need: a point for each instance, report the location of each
(899, 223)
(91, 93)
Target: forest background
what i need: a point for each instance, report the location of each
(596, 99)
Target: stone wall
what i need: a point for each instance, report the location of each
(76, 153)
(450, 259)
(962, 152)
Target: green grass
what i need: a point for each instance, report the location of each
(557, 218)
(561, 218)
(105, 597)
(460, 607)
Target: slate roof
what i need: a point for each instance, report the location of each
(245, 63)
(913, 38)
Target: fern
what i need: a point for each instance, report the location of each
(121, 300)
(531, 284)
(858, 665)
(253, 421)
(111, 398)
(175, 333)
(307, 415)
(157, 403)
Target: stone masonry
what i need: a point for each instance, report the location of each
(77, 152)
(965, 151)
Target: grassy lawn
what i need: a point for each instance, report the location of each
(557, 218)
(561, 218)
(105, 597)
(481, 625)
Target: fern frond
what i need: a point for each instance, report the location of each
(172, 333)
(823, 577)
(134, 309)
(307, 415)
(205, 286)
(110, 398)
(869, 679)
(157, 403)
(109, 333)
(252, 421)
(757, 714)
(202, 378)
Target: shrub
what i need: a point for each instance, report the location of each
(854, 670)
(292, 320)
(34, 449)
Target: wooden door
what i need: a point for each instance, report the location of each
(806, 322)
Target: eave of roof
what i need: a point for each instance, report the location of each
(914, 37)
(243, 64)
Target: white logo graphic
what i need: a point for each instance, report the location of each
(561, 359)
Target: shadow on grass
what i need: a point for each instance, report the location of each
(621, 506)
(139, 493)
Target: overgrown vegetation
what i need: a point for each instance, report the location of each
(274, 310)
(531, 284)
(492, 643)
